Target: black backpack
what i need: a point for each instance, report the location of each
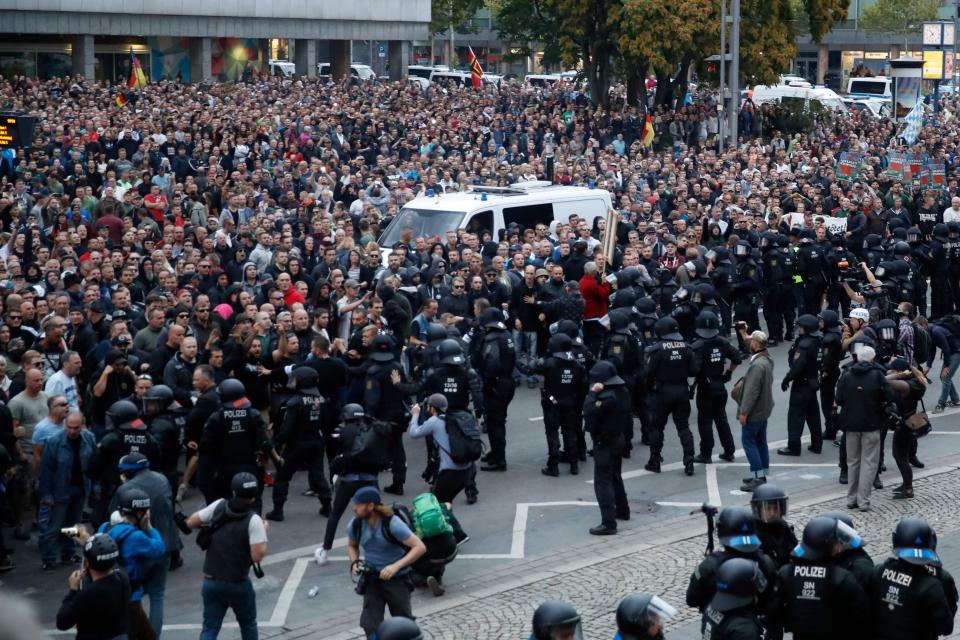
(466, 443)
(922, 344)
(399, 511)
(369, 445)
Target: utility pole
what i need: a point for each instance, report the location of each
(452, 65)
(734, 70)
(722, 116)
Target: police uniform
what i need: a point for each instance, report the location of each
(832, 354)
(167, 428)
(128, 437)
(773, 274)
(820, 600)
(746, 285)
(232, 438)
(806, 358)
(301, 433)
(494, 361)
(385, 401)
(605, 414)
(712, 353)
(669, 363)
(623, 350)
(738, 624)
(811, 266)
(563, 380)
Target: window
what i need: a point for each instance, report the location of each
(877, 87)
(528, 216)
(480, 222)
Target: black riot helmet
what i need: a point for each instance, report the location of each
(886, 330)
(305, 378)
(901, 249)
(708, 326)
(722, 255)
(381, 349)
(492, 318)
(705, 294)
(620, 321)
(244, 485)
(568, 327)
(352, 412)
(450, 352)
(953, 229)
(122, 413)
(605, 373)
(872, 241)
(849, 536)
(737, 529)
(941, 231)
(231, 390)
(768, 239)
(667, 329)
(769, 503)
(560, 343)
(101, 552)
(818, 538)
(915, 541)
(436, 332)
(810, 325)
(830, 318)
(738, 582)
(133, 501)
(913, 235)
(638, 612)
(553, 616)
(646, 306)
(397, 628)
(157, 399)
(743, 249)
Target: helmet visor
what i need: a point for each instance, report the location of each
(660, 611)
(848, 536)
(566, 631)
(770, 510)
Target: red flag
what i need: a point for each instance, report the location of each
(476, 72)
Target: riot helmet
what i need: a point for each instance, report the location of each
(737, 529)
(553, 618)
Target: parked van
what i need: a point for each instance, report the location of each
(541, 79)
(450, 75)
(877, 87)
(424, 70)
(494, 208)
(282, 68)
(807, 96)
(361, 71)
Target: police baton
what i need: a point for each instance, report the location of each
(711, 513)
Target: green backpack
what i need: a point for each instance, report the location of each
(429, 516)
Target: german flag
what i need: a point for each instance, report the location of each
(137, 79)
(476, 72)
(121, 100)
(647, 136)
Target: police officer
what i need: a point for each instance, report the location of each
(777, 539)
(832, 353)
(165, 420)
(731, 614)
(817, 598)
(383, 399)
(806, 357)
(606, 411)
(953, 255)
(685, 310)
(811, 266)
(237, 539)
(234, 440)
(854, 558)
(563, 379)
(126, 433)
(452, 376)
(669, 363)
(646, 335)
(907, 597)
(712, 353)
(586, 359)
(494, 358)
(642, 616)
(555, 619)
(771, 279)
(746, 285)
(721, 277)
(398, 628)
(737, 531)
(301, 438)
(623, 350)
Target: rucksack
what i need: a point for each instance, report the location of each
(399, 511)
(922, 344)
(429, 516)
(370, 445)
(463, 433)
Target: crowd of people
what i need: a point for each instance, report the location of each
(192, 290)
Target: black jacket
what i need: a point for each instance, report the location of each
(861, 393)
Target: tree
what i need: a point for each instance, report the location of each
(898, 16)
(525, 22)
(456, 12)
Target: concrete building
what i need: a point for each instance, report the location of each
(200, 39)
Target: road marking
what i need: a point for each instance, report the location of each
(282, 608)
(713, 487)
(535, 419)
(944, 433)
(682, 505)
(781, 464)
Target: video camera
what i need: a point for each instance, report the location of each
(851, 273)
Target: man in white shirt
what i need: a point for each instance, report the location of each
(952, 213)
(64, 381)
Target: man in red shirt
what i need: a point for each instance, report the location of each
(596, 295)
(156, 203)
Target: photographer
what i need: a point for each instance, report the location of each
(235, 538)
(98, 596)
(383, 576)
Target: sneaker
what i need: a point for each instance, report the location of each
(436, 588)
(752, 483)
(953, 403)
(320, 556)
(309, 493)
(551, 471)
(464, 540)
(472, 497)
(727, 457)
(938, 409)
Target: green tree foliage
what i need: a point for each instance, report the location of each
(898, 16)
(455, 12)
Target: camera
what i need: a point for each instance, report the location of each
(850, 273)
(180, 519)
(70, 532)
(364, 576)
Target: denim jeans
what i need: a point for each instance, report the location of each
(65, 512)
(220, 596)
(525, 343)
(754, 439)
(948, 391)
(154, 587)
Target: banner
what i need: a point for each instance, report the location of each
(938, 174)
(895, 165)
(848, 168)
(914, 164)
(833, 225)
(610, 239)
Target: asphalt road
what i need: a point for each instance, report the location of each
(521, 517)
